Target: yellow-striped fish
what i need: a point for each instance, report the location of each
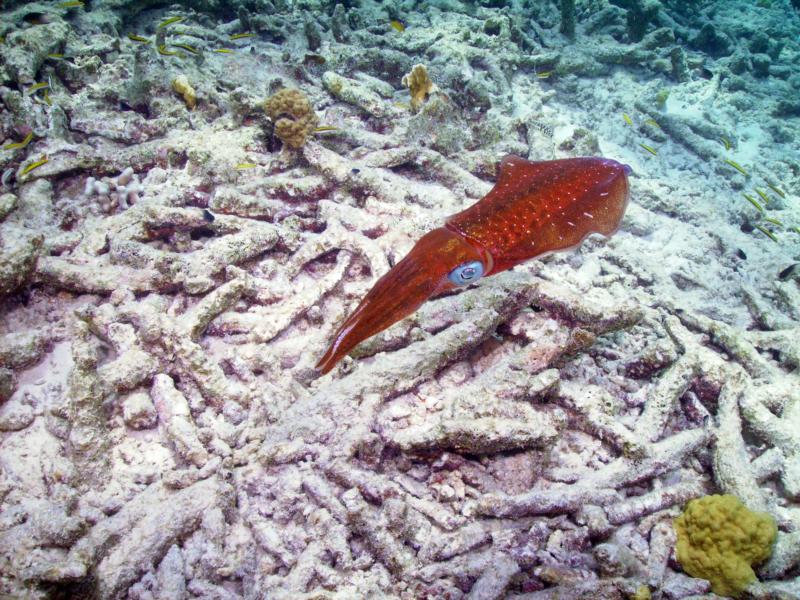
(767, 233)
(736, 166)
(245, 166)
(188, 48)
(650, 149)
(34, 165)
(626, 117)
(18, 145)
(137, 38)
(223, 51)
(754, 202)
(170, 21)
(36, 87)
(71, 4)
(241, 36)
(397, 26)
(777, 190)
(162, 49)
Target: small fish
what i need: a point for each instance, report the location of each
(18, 145)
(796, 229)
(162, 49)
(188, 48)
(736, 166)
(763, 195)
(208, 215)
(767, 233)
(37, 18)
(652, 123)
(170, 21)
(740, 253)
(777, 190)
(240, 36)
(754, 202)
(788, 271)
(245, 166)
(36, 87)
(773, 221)
(2, 39)
(137, 38)
(403, 105)
(34, 165)
(55, 55)
(626, 117)
(544, 75)
(650, 149)
(223, 51)
(45, 99)
(314, 59)
(71, 4)
(725, 142)
(397, 26)
(324, 128)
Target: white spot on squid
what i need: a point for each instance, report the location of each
(570, 223)
(588, 215)
(604, 194)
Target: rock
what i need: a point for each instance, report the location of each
(711, 41)
(7, 384)
(15, 415)
(20, 349)
(18, 251)
(138, 411)
(8, 202)
(761, 64)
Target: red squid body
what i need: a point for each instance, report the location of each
(533, 209)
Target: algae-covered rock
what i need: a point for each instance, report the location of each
(25, 50)
(18, 251)
(719, 539)
(439, 125)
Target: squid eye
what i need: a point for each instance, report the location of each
(467, 273)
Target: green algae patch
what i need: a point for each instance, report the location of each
(720, 539)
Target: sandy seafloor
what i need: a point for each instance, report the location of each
(163, 433)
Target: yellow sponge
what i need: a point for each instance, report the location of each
(420, 85)
(719, 539)
(181, 85)
(293, 116)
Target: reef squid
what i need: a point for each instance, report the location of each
(534, 208)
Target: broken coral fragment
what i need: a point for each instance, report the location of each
(181, 85)
(719, 539)
(293, 116)
(419, 84)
